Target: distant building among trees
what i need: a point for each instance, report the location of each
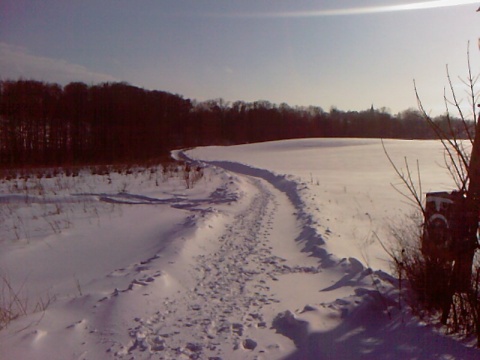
(47, 124)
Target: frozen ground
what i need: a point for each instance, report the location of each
(270, 255)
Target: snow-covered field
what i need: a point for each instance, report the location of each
(272, 254)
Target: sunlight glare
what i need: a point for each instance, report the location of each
(362, 10)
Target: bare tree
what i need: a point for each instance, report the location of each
(440, 270)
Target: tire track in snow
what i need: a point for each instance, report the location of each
(222, 313)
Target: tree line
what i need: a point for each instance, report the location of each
(45, 124)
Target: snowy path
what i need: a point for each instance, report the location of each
(230, 305)
(257, 261)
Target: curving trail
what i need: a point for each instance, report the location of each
(230, 307)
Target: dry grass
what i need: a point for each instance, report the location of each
(12, 305)
(54, 217)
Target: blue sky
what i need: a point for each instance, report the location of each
(348, 54)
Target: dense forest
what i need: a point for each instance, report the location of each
(44, 124)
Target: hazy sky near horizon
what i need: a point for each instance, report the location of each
(348, 54)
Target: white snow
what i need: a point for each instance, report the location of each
(271, 255)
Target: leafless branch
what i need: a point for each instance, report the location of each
(414, 190)
(454, 148)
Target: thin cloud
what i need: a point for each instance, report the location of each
(355, 10)
(17, 62)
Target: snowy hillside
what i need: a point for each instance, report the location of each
(268, 252)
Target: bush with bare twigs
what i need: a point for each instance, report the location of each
(445, 283)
